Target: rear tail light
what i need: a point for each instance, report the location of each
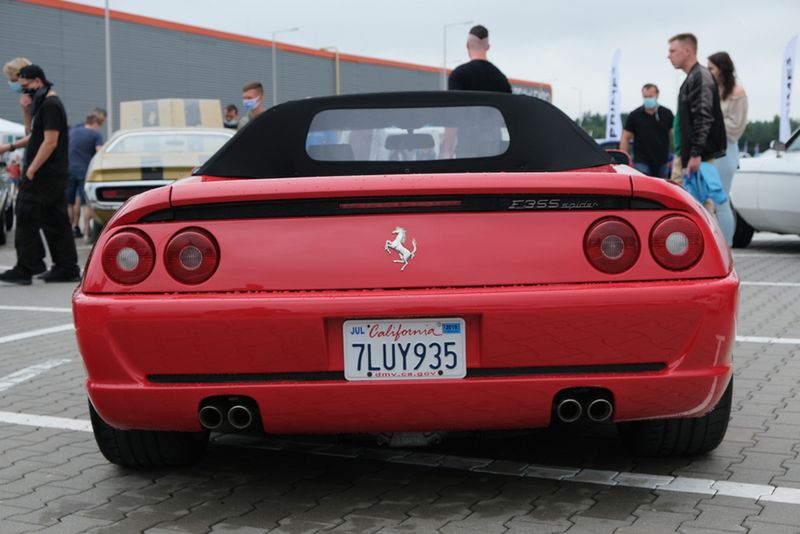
(192, 256)
(611, 245)
(128, 257)
(676, 242)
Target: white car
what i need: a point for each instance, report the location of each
(765, 191)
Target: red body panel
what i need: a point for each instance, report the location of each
(521, 281)
(686, 325)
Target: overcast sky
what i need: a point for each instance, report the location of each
(568, 43)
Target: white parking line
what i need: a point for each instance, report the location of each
(45, 421)
(775, 340)
(786, 255)
(754, 492)
(17, 377)
(36, 309)
(37, 333)
(771, 284)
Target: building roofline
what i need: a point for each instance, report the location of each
(217, 34)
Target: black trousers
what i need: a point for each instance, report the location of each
(41, 205)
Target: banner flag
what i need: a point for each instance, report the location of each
(786, 89)
(614, 116)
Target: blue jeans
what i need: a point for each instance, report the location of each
(658, 172)
(726, 166)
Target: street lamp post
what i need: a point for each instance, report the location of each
(336, 68)
(274, 66)
(444, 49)
(109, 101)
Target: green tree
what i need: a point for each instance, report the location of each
(761, 133)
(756, 134)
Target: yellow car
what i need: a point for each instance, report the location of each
(162, 147)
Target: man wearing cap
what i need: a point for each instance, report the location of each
(479, 74)
(40, 202)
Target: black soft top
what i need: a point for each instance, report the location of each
(273, 145)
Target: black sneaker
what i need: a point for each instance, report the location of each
(59, 274)
(76, 232)
(13, 276)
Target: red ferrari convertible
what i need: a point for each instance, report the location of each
(407, 264)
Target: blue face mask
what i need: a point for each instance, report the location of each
(15, 86)
(249, 104)
(650, 102)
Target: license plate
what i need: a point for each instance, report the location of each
(404, 349)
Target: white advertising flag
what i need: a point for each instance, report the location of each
(614, 117)
(786, 89)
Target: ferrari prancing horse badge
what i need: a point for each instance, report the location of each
(398, 245)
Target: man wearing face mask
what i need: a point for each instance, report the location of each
(650, 127)
(11, 72)
(252, 102)
(40, 202)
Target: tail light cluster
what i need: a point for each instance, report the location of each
(612, 245)
(191, 256)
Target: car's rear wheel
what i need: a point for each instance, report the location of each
(679, 436)
(95, 229)
(147, 449)
(743, 234)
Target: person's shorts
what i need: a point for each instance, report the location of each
(75, 188)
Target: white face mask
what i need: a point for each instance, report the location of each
(249, 104)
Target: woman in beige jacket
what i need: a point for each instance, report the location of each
(733, 101)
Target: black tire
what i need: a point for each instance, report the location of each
(681, 436)
(95, 231)
(147, 449)
(743, 234)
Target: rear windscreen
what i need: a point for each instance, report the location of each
(407, 134)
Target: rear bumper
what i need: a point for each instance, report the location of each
(139, 350)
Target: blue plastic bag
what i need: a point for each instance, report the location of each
(705, 184)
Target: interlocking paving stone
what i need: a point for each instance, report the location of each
(300, 526)
(651, 521)
(719, 518)
(228, 528)
(474, 524)
(420, 458)
(617, 503)
(596, 525)
(455, 462)
(557, 473)
(503, 467)
(776, 513)
(595, 476)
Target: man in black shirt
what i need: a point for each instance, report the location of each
(41, 204)
(651, 127)
(479, 74)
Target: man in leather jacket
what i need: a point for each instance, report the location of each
(700, 123)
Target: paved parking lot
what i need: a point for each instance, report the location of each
(53, 479)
